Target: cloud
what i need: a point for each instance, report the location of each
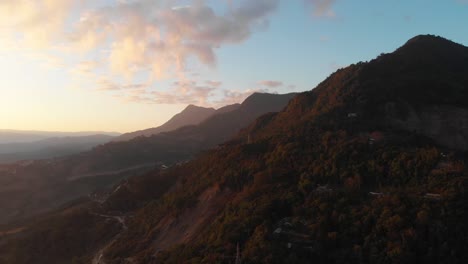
(89, 31)
(105, 42)
(214, 83)
(46, 60)
(106, 84)
(35, 23)
(134, 87)
(235, 96)
(271, 84)
(84, 68)
(184, 95)
(181, 92)
(191, 92)
(131, 39)
(322, 8)
(159, 37)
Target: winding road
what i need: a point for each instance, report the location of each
(98, 258)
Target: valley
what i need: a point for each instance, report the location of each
(233, 132)
(309, 182)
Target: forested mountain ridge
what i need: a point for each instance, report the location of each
(421, 87)
(191, 115)
(343, 175)
(32, 187)
(182, 143)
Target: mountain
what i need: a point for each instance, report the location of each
(421, 88)
(227, 108)
(179, 144)
(33, 187)
(220, 127)
(24, 136)
(340, 175)
(50, 147)
(191, 115)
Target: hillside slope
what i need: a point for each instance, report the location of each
(191, 115)
(180, 144)
(29, 188)
(338, 176)
(333, 178)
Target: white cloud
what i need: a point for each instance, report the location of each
(155, 36)
(194, 29)
(181, 92)
(129, 39)
(214, 83)
(270, 83)
(106, 84)
(84, 68)
(34, 23)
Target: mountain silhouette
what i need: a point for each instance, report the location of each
(347, 173)
(42, 185)
(191, 115)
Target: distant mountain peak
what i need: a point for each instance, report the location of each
(429, 44)
(256, 96)
(262, 100)
(419, 39)
(259, 94)
(191, 115)
(422, 86)
(424, 38)
(192, 107)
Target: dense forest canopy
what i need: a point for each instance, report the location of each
(339, 176)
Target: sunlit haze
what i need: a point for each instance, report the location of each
(125, 65)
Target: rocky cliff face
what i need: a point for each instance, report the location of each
(447, 125)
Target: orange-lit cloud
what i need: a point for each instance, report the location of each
(130, 39)
(106, 84)
(160, 37)
(33, 23)
(214, 83)
(187, 92)
(84, 68)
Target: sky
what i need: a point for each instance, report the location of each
(126, 65)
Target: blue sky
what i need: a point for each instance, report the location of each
(128, 65)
